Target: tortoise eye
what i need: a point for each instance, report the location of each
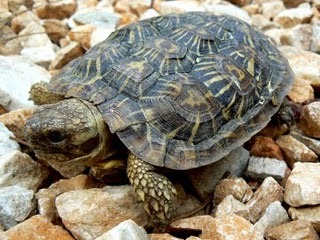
(55, 137)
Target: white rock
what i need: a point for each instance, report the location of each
(167, 7)
(302, 186)
(274, 215)
(127, 230)
(17, 168)
(42, 56)
(228, 10)
(17, 74)
(7, 145)
(16, 204)
(150, 13)
(260, 168)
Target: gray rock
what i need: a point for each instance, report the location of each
(127, 230)
(259, 168)
(17, 74)
(16, 204)
(205, 179)
(99, 18)
(7, 145)
(312, 143)
(274, 215)
(17, 168)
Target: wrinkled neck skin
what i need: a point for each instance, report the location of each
(104, 149)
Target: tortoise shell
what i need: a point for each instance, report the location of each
(181, 91)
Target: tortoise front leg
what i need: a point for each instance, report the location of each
(154, 190)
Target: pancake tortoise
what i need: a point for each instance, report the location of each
(180, 91)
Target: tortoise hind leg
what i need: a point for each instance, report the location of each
(153, 189)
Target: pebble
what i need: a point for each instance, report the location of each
(269, 191)
(55, 29)
(273, 216)
(88, 213)
(205, 179)
(66, 54)
(299, 36)
(231, 205)
(7, 145)
(262, 146)
(16, 204)
(295, 151)
(294, 16)
(260, 168)
(167, 7)
(36, 228)
(231, 227)
(19, 169)
(313, 144)
(309, 120)
(302, 186)
(301, 91)
(164, 236)
(311, 214)
(82, 34)
(46, 196)
(17, 74)
(125, 230)
(9, 42)
(229, 10)
(23, 17)
(54, 9)
(298, 229)
(270, 9)
(315, 41)
(235, 186)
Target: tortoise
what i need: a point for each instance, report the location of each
(180, 91)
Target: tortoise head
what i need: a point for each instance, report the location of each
(71, 130)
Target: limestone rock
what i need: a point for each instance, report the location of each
(268, 192)
(54, 9)
(126, 230)
(298, 229)
(309, 120)
(16, 204)
(7, 145)
(302, 186)
(311, 214)
(36, 227)
(235, 186)
(88, 213)
(301, 91)
(260, 168)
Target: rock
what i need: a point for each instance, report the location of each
(294, 16)
(82, 35)
(22, 19)
(9, 42)
(162, 236)
(54, 9)
(231, 205)
(235, 186)
(205, 179)
(271, 9)
(315, 42)
(46, 197)
(304, 64)
(229, 10)
(15, 70)
(295, 151)
(15, 120)
(298, 229)
(268, 192)
(4, 100)
(18, 169)
(167, 7)
(99, 18)
(150, 13)
(299, 36)
(302, 91)
(260, 168)
(262, 23)
(275, 34)
(126, 230)
(240, 2)
(313, 144)
(89, 213)
(311, 214)
(293, 3)
(309, 120)
(140, 6)
(36, 227)
(261, 146)
(16, 204)
(7, 145)
(302, 186)
(274, 215)
(66, 54)
(229, 227)
(55, 29)
(99, 35)
(42, 56)
(253, 8)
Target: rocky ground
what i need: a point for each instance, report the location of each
(272, 190)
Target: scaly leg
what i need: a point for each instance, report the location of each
(154, 190)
